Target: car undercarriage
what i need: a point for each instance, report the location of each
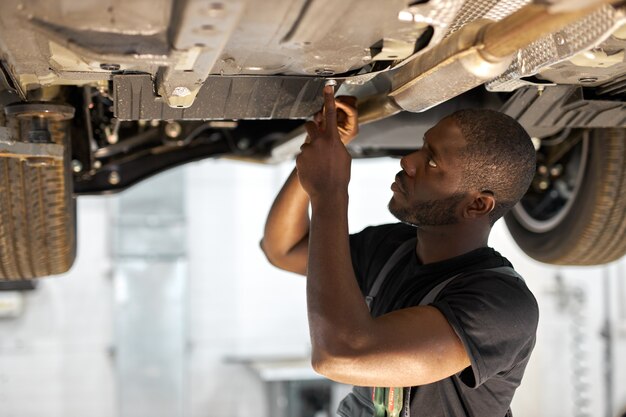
(97, 96)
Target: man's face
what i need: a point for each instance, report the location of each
(427, 190)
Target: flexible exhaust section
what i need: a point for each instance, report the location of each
(480, 51)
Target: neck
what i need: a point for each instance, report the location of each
(438, 243)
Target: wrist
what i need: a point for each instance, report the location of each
(335, 200)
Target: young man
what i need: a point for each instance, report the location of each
(464, 352)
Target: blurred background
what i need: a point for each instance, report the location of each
(172, 310)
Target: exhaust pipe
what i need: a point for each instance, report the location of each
(478, 52)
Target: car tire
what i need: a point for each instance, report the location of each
(591, 229)
(37, 213)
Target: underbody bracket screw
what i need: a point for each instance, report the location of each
(114, 178)
(77, 166)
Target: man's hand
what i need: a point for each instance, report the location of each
(286, 237)
(347, 118)
(324, 163)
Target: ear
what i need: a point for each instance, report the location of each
(480, 204)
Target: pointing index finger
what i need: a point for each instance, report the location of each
(330, 110)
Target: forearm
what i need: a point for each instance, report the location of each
(338, 316)
(286, 232)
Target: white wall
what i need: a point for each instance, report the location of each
(54, 360)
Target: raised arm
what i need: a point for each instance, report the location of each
(407, 347)
(286, 236)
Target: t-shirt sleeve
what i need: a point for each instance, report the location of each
(495, 317)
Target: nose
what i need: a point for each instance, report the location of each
(407, 163)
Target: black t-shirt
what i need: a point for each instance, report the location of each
(495, 316)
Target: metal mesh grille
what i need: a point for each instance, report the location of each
(549, 50)
(505, 8)
(490, 9)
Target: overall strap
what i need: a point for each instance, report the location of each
(402, 250)
(507, 270)
(430, 297)
(432, 294)
(403, 394)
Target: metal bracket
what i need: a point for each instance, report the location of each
(222, 97)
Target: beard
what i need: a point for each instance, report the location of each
(428, 213)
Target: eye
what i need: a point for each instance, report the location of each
(432, 163)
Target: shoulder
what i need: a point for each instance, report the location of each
(496, 316)
(491, 297)
(496, 287)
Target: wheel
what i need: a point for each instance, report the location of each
(37, 209)
(575, 211)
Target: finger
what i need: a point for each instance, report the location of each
(318, 118)
(349, 110)
(312, 130)
(330, 111)
(349, 100)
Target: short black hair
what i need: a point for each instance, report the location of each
(499, 157)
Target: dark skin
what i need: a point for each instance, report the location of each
(408, 347)
(434, 173)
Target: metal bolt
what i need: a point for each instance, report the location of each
(173, 130)
(112, 138)
(110, 67)
(114, 178)
(540, 89)
(243, 143)
(556, 170)
(77, 166)
(181, 92)
(324, 72)
(542, 170)
(215, 9)
(543, 185)
(204, 30)
(97, 164)
(155, 122)
(330, 82)
(587, 80)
